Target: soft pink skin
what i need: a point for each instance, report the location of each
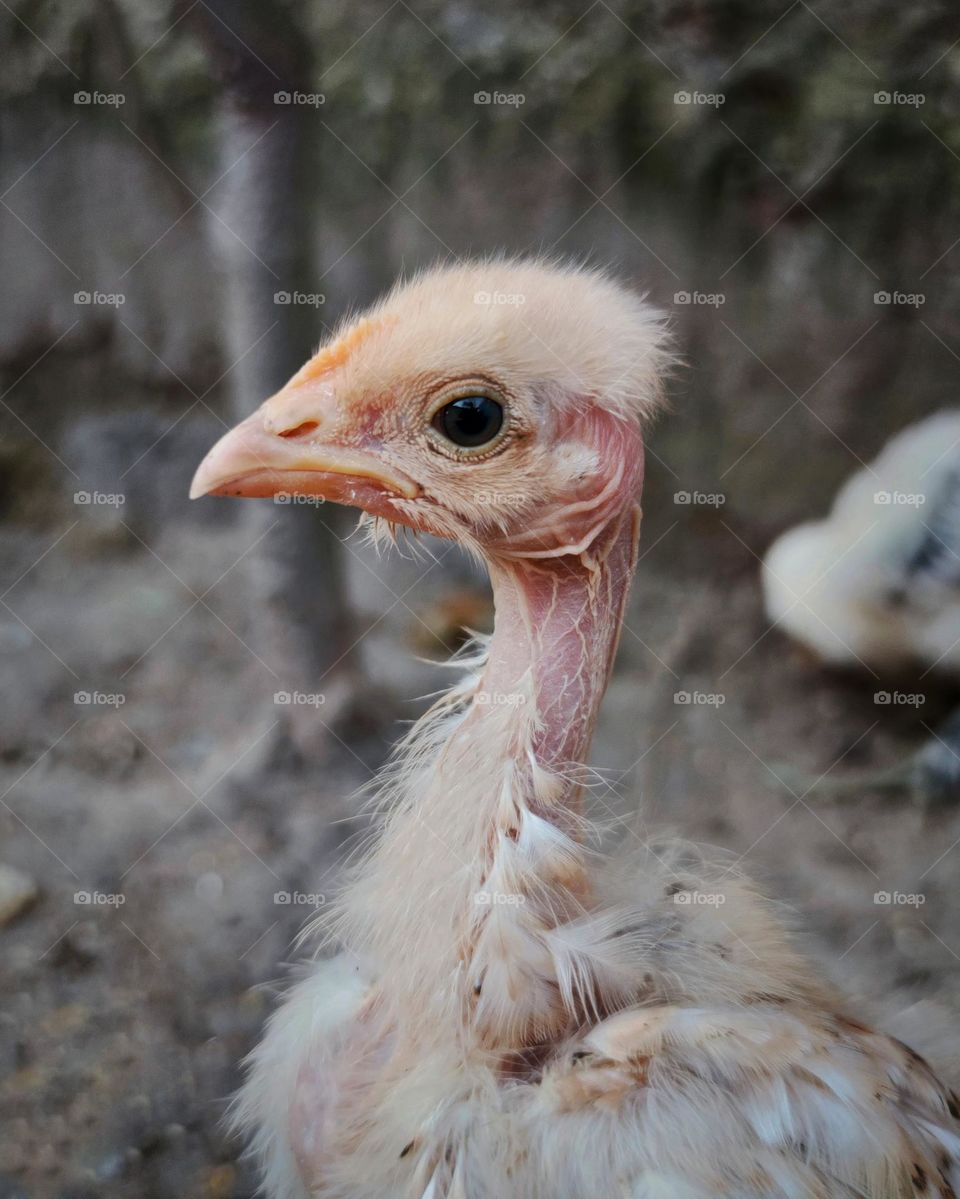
(561, 621)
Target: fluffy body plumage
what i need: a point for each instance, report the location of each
(513, 1013)
(877, 581)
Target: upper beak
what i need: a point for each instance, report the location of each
(260, 457)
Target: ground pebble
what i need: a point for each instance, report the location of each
(17, 892)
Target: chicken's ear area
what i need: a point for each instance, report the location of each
(617, 445)
(599, 459)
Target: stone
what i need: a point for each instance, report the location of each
(17, 892)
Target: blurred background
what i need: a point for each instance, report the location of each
(192, 195)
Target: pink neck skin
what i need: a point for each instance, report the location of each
(558, 623)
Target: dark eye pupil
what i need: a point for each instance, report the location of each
(470, 421)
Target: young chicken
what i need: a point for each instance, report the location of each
(877, 581)
(511, 1014)
(875, 585)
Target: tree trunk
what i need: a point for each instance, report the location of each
(264, 223)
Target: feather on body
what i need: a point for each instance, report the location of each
(664, 1047)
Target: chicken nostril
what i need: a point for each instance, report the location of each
(302, 430)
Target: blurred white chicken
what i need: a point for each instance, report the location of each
(877, 582)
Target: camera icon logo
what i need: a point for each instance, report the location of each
(682, 97)
(281, 98)
(681, 697)
(81, 97)
(881, 297)
(881, 97)
(281, 897)
(481, 97)
(81, 897)
(881, 897)
(282, 697)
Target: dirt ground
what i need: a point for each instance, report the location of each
(183, 812)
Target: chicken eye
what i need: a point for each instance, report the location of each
(470, 421)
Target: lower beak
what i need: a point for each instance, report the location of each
(251, 460)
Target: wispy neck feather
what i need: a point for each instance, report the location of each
(480, 858)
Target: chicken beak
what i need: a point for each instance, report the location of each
(261, 458)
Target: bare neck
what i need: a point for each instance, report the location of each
(557, 628)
